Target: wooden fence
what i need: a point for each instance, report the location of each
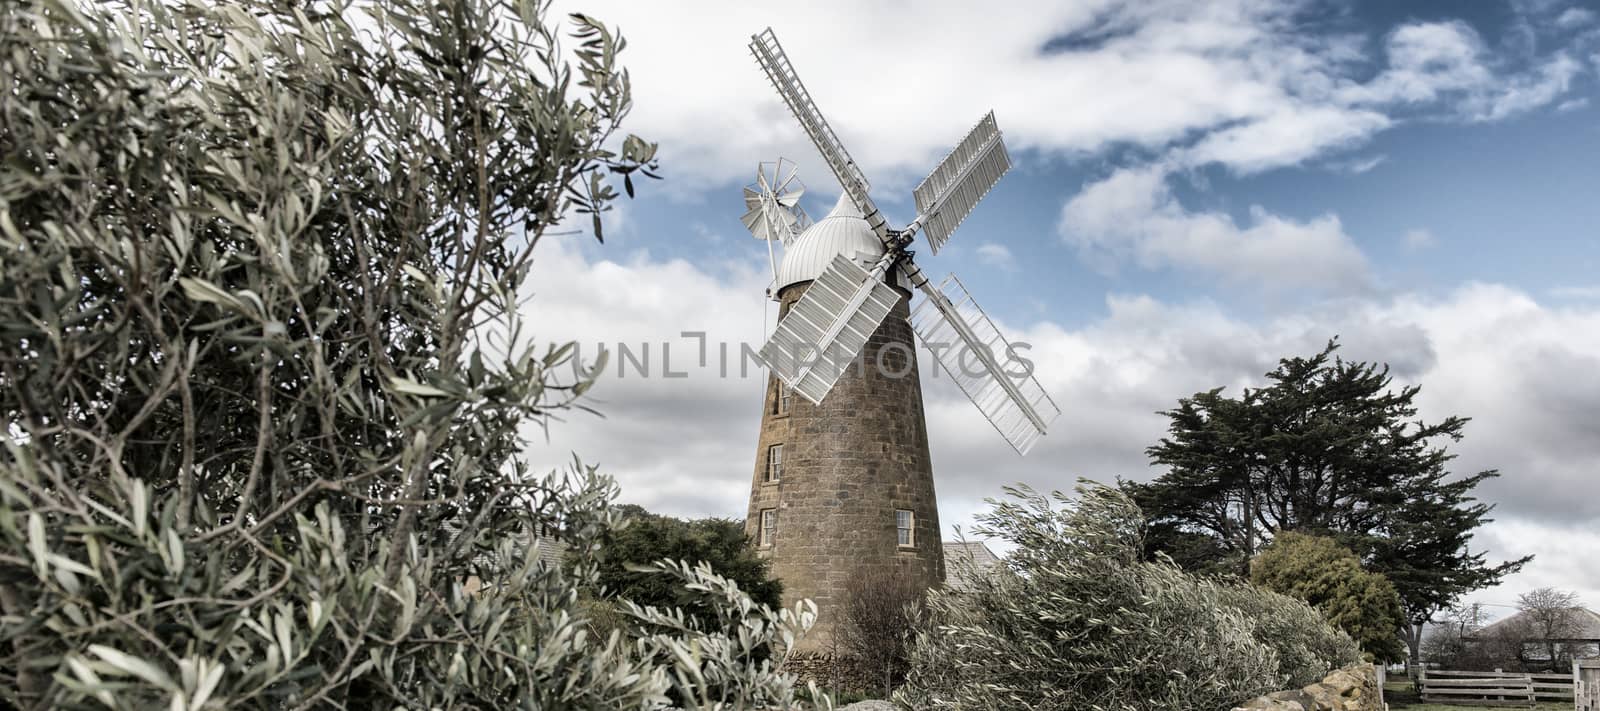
(1496, 688)
(1586, 684)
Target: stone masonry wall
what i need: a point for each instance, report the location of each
(1353, 688)
(829, 671)
(848, 464)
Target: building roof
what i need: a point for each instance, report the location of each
(843, 231)
(965, 559)
(1588, 625)
(550, 551)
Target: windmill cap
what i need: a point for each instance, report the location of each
(842, 231)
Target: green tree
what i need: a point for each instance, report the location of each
(1330, 577)
(647, 538)
(262, 371)
(1076, 619)
(1326, 446)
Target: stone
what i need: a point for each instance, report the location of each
(870, 706)
(848, 464)
(1353, 688)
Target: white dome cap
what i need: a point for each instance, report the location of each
(843, 231)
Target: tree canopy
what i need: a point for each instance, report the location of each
(1330, 577)
(1327, 446)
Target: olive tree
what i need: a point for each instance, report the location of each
(1076, 618)
(262, 374)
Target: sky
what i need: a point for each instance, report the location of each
(1200, 189)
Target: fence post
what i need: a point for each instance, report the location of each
(1586, 684)
(1383, 678)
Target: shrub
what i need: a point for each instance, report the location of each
(877, 618)
(263, 380)
(648, 537)
(1330, 577)
(1306, 646)
(1075, 619)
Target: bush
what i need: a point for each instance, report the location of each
(876, 620)
(263, 378)
(1075, 619)
(646, 538)
(1330, 577)
(1306, 646)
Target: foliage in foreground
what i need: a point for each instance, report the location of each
(1330, 578)
(1075, 618)
(263, 379)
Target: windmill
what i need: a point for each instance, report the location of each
(824, 333)
(843, 480)
(772, 207)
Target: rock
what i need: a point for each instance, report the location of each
(1353, 688)
(870, 706)
(1324, 696)
(1279, 701)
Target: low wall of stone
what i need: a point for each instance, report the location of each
(1353, 688)
(829, 671)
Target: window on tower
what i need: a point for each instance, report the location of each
(774, 462)
(782, 398)
(905, 525)
(769, 527)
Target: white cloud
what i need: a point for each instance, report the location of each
(1419, 239)
(1242, 81)
(1133, 216)
(1286, 137)
(1575, 17)
(1520, 368)
(1530, 91)
(1572, 104)
(1447, 67)
(679, 445)
(1357, 166)
(997, 255)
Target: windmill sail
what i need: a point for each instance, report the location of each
(949, 193)
(769, 54)
(1014, 402)
(824, 332)
(772, 204)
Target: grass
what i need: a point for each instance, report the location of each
(1401, 695)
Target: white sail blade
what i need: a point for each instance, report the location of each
(949, 193)
(824, 332)
(769, 54)
(799, 224)
(971, 349)
(772, 203)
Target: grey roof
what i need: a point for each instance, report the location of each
(550, 551)
(1588, 625)
(964, 559)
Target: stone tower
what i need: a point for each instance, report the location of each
(847, 485)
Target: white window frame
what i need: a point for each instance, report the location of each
(785, 395)
(769, 528)
(774, 463)
(909, 529)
